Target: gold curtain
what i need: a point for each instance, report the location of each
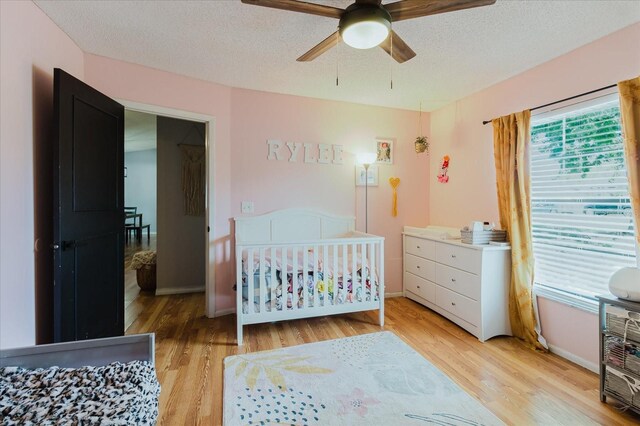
(193, 179)
(511, 151)
(630, 112)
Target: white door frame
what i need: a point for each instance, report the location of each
(209, 122)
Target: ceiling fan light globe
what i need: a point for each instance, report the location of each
(366, 34)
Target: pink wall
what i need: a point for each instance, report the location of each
(271, 185)
(457, 130)
(123, 80)
(246, 119)
(31, 45)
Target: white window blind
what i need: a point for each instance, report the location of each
(582, 223)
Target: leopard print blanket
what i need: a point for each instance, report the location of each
(116, 394)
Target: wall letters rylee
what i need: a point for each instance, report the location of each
(311, 153)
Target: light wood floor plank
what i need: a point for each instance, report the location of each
(521, 386)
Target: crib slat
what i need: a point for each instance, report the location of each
(283, 271)
(305, 272)
(363, 275)
(262, 297)
(325, 274)
(239, 258)
(250, 278)
(336, 254)
(274, 280)
(345, 259)
(381, 288)
(315, 277)
(372, 270)
(294, 278)
(354, 270)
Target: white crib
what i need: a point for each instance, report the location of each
(317, 254)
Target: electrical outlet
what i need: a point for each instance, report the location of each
(247, 207)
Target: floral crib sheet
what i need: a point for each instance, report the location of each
(340, 289)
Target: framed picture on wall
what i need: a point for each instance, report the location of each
(384, 150)
(361, 175)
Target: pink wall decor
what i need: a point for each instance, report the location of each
(444, 167)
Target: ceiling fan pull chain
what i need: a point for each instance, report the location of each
(391, 61)
(337, 58)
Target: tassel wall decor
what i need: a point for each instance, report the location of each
(394, 182)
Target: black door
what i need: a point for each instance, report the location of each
(88, 212)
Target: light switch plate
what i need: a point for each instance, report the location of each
(247, 207)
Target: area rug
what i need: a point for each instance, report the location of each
(372, 379)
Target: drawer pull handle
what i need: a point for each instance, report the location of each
(453, 280)
(418, 266)
(453, 256)
(418, 286)
(453, 304)
(418, 246)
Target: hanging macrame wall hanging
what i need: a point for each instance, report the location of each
(193, 179)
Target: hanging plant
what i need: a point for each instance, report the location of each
(421, 143)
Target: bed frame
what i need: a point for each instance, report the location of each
(95, 352)
(288, 234)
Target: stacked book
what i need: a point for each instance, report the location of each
(483, 237)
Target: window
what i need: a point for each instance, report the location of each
(581, 216)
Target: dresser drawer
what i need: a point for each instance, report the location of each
(420, 247)
(421, 267)
(458, 305)
(463, 258)
(459, 281)
(420, 287)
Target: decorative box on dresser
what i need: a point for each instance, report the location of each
(468, 284)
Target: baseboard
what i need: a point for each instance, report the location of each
(396, 294)
(178, 290)
(575, 359)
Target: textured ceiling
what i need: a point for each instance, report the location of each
(240, 45)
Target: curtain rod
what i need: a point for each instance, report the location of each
(565, 99)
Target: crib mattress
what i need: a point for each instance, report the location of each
(115, 394)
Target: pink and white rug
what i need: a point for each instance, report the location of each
(372, 379)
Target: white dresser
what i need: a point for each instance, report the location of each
(468, 284)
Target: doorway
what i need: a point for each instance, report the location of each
(140, 201)
(181, 235)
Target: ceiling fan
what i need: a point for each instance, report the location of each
(367, 23)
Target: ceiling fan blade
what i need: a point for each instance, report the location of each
(401, 50)
(320, 48)
(299, 6)
(407, 9)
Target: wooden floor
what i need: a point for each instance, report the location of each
(520, 386)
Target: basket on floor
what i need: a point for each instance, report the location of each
(144, 262)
